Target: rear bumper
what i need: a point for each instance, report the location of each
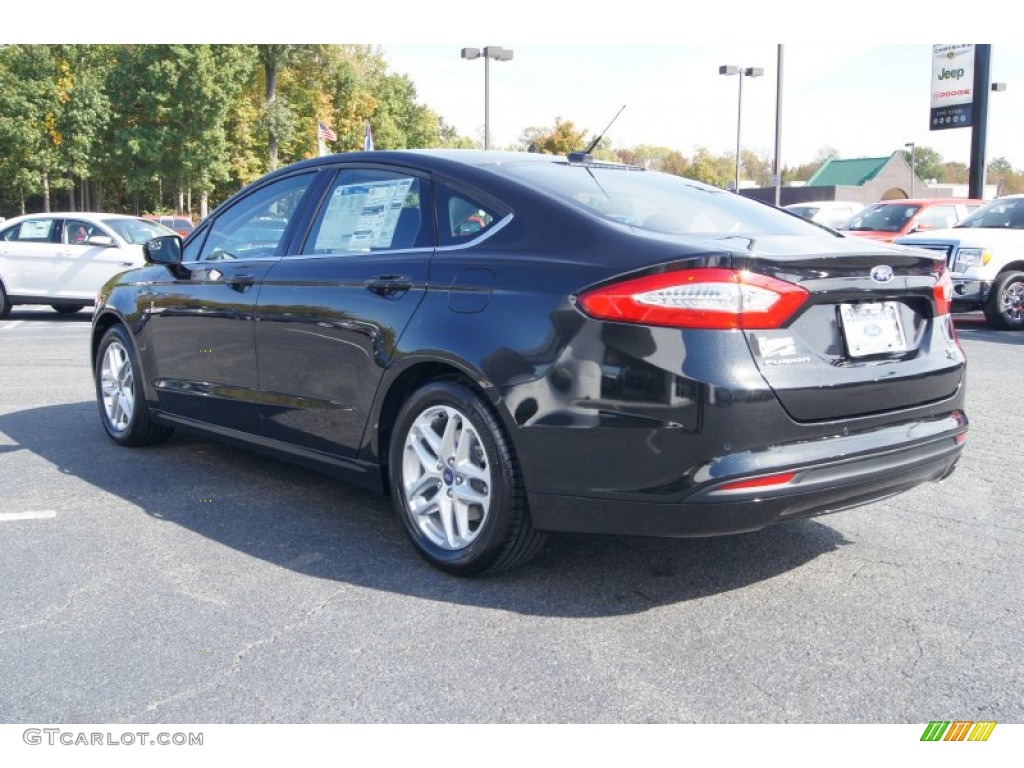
(828, 476)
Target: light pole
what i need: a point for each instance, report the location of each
(913, 170)
(777, 162)
(497, 53)
(727, 69)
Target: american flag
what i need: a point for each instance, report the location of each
(325, 133)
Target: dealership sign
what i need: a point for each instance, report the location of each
(952, 86)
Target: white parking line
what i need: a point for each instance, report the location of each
(12, 324)
(45, 514)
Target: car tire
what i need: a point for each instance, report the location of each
(122, 402)
(67, 309)
(456, 485)
(5, 303)
(1004, 307)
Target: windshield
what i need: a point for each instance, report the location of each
(659, 202)
(881, 218)
(807, 211)
(1007, 213)
(137, 231)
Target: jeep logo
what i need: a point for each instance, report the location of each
(951, 74)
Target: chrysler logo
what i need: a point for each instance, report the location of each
(882, 274)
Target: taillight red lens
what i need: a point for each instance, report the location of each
(697, 298)
(943, 291)
(758, 482)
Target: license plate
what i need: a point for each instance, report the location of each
(872, 329)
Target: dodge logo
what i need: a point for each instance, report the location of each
(882, 274)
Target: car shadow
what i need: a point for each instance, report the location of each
(974, 328)
(49, 315)
(313, 524)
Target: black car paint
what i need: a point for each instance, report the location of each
(619, 428)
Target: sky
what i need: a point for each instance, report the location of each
(862, 100)
(856, 79)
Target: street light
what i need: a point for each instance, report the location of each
(497, 53)
(726, 69)
(913, 171)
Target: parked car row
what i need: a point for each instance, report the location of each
(981, 243)
(985, 257)
(887, 220)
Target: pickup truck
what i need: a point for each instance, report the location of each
(985, 257)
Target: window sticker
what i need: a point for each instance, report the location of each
(35, 229)
(362, 216)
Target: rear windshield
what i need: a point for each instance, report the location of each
(881, 218)
(137, 231)
(807, 211)
(658, 202)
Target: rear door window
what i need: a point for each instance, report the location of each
(34, 231)
(369, 210)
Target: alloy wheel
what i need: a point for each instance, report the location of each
(117, 384)
(446, 477)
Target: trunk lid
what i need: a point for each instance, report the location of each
(872, 336)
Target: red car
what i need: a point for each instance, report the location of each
(888, 219)
(181, 224)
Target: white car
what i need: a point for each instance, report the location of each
(831, 213)
(62, 259)
(985, 256)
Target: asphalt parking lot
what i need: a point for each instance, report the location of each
(198, 583)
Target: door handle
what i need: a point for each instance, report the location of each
(389, 286)
(240, 283)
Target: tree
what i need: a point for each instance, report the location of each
(561, 139)
(756, 168)
(927, 163)
(277, 117)
(717, 171)
(955, 172)
(1008, 181)
(209, 78)
(450, 138)
(39, 104)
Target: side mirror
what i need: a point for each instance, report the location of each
(103, 240)
(163, 250)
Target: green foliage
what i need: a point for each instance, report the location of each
(1008, 180)
(927, 163)
(154, 127)
(561, 139)
(148, 126)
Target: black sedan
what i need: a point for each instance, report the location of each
(511, 344)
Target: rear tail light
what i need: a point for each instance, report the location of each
(759, 482)
(942, 290)
(697, 298)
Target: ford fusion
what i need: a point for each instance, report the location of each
(512, 344)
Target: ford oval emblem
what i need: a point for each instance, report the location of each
(882, 273)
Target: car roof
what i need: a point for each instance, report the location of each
(440, 160)
(87, 215)
(929, 201)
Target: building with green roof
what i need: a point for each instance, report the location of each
(863, 180)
